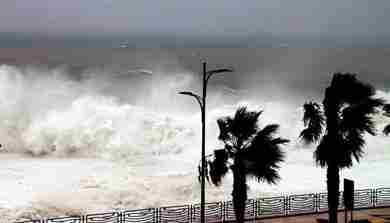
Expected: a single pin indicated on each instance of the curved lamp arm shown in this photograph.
(212, 72)
(197, 97)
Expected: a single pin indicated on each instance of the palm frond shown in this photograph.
(386, 108)
(279, 141)
(244, 124)
(264, 155)
(218, 167)
(349, 89)
(359, 116)
(267, 132)
(353, 145)
(224, 125)
(313, 120)
(386, 130)
(262, 169)
(265, 137)
(259, 150)
(340, 149)
(270, 175)
(331, 149)
(348, 107)
(324, 154)
(356, 119)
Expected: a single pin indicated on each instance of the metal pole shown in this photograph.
(346, 215)
(202, 103)
(202, 198)
(353, 207)
(352, 215)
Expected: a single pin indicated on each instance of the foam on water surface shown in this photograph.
(78, 146)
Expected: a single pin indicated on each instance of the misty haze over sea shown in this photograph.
(90, 116)
(182, 40)
(91, 130)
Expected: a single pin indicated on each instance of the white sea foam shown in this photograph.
(102, 143)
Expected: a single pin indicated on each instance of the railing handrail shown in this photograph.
(263, 207)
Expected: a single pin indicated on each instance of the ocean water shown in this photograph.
(83, 133)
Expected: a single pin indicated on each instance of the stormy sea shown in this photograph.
(95, 130)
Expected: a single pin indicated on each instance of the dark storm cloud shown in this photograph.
(228, 18)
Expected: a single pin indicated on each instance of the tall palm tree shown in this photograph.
(386, 130)
(339, 126)
(248, 151)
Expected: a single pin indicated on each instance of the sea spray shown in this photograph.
(99, 125)
(101, 142)
(44, 111)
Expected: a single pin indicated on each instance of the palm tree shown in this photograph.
(248, 151)
(386, 130)
(339, 125)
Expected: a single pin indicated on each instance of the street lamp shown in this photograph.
(202, 103)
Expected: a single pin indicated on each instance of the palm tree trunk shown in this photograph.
(239, 191)
(333, 184)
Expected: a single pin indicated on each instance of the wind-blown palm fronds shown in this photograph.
(313, 120)
(248, 151)
(386, 108)
(339, 126)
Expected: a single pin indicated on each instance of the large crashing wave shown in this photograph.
(46, 112)
(49, 112)
(99, 124)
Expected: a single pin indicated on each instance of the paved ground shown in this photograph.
(375, 215)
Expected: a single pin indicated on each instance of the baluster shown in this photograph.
(255, 208)
(286, 204)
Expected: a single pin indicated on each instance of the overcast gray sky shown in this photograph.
(231, 18)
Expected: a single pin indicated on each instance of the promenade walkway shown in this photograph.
(380, 215)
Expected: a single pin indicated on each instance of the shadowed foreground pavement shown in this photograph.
(375, 215)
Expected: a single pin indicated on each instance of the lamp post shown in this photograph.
(202, 103)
